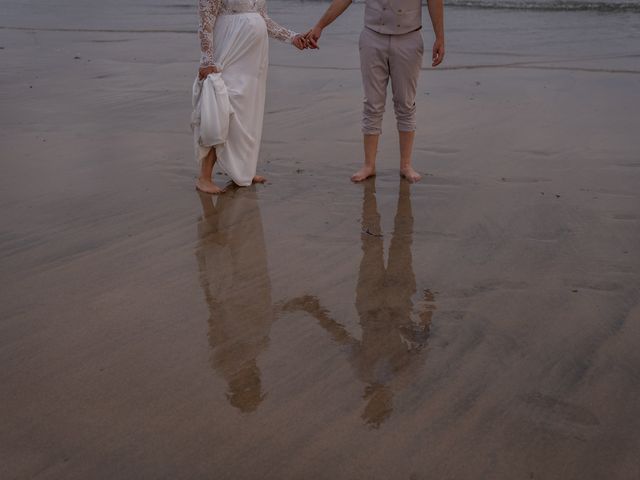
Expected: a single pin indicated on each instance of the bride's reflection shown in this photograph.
(393, 336)
(232, 263)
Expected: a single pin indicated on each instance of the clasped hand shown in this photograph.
(307, 40)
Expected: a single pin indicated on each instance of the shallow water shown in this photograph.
(481, 323)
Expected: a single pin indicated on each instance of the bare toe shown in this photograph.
(363, 174)
(259, 179)
(410, 174)
(207, 186)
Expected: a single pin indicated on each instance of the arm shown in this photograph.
(274, 29)
(336, 9)
(311, 305)
(280, 33)
(436, 12)
(208, 11)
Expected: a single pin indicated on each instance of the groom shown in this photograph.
(391, 47)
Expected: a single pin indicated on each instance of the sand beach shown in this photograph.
(483, 323)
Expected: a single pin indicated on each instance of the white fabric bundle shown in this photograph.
(211, 111)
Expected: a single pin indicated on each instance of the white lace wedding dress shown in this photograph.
(234, 37)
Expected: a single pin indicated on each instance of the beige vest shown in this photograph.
(393, 17)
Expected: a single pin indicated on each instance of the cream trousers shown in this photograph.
(395, 57)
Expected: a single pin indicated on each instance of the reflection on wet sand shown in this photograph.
(393, 337)
(232, 263)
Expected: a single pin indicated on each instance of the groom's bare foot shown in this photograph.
(207, 186)
(258, 179)
(364, 173)
(410, 174)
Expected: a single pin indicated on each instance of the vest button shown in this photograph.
(399, 10)
(398, 25)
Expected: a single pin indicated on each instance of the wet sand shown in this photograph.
(483, 323)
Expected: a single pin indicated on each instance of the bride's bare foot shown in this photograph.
(207, 186)
(364, 173)
(258, 179)
(410, 174)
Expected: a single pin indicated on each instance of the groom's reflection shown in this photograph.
(392, 336)
(232, 263)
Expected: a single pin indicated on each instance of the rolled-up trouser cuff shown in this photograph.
(371, 131)
(405, 115)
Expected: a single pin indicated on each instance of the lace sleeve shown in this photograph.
(275, 30)
(208, 10)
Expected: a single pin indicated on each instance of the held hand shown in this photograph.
(438, 53)
(203, 72)
(313, 36)
(300, 42)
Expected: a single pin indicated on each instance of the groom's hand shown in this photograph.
(438, 52)
(313, 36)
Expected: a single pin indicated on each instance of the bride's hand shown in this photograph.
(300, 42)
(203, 72)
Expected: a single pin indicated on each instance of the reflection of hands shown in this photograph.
(311, 305)
(203, 72)
(313, 36)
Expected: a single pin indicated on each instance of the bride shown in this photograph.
(234, 41)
